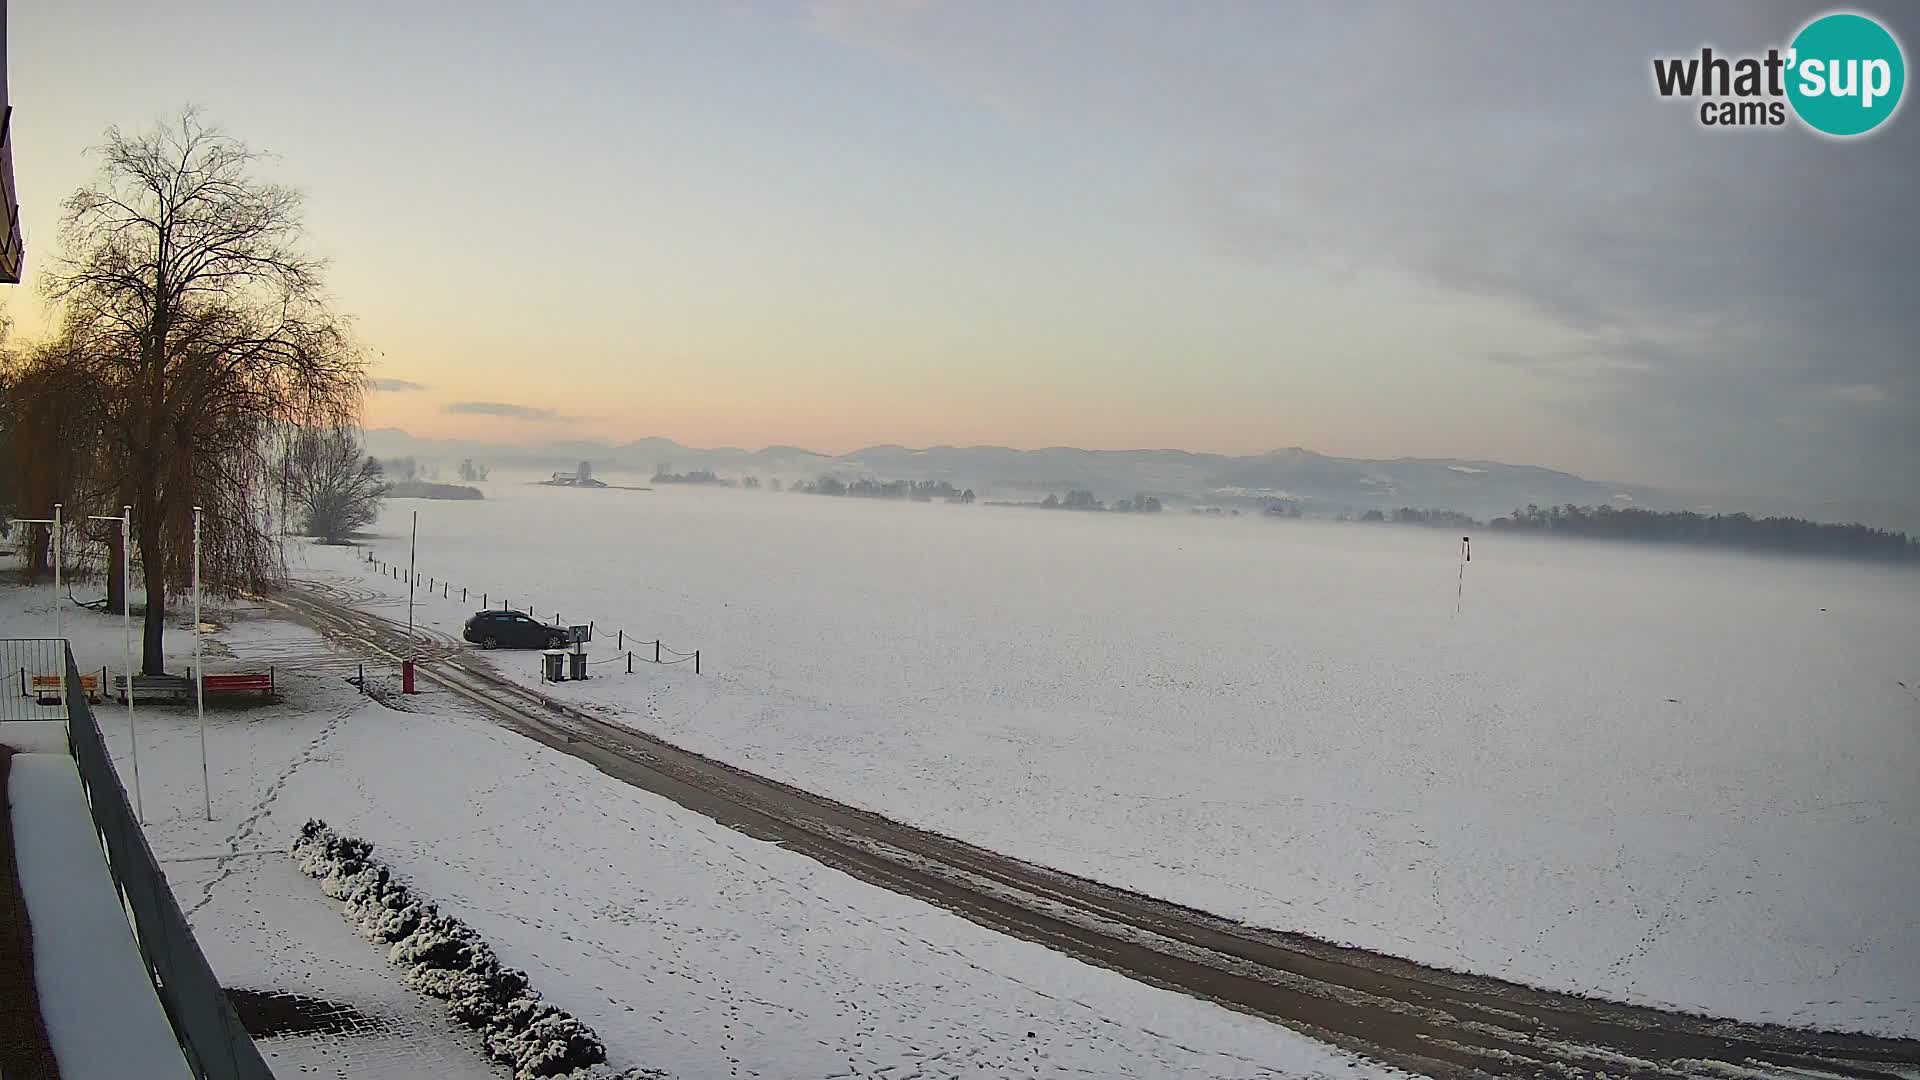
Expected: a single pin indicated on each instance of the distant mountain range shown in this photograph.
(1321, 485)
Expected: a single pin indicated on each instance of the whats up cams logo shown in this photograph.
(1842, 75)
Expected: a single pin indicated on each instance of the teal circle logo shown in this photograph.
(1845, 74)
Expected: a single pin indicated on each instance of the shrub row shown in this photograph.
(442, 956)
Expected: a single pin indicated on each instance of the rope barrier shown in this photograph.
(638, 659)
(445, 590)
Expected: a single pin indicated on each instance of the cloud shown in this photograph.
(1860, 395)
(396, 386)
(1715, 290)
(506, 410)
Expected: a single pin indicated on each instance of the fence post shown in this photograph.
(696, 661)
(429, 582)
(363, 678)
(656, 650)
(619, 639)
(629, 663)
(463, 594)
(483, 601)
(444, 587)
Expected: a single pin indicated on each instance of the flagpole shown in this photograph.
(199, 674)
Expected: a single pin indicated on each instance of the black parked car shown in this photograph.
(513, 630)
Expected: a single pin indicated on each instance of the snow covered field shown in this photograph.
(1664, 776)
(688, 947)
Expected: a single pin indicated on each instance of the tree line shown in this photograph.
(867, 487)
(663, 474)
(195, 363)
(1407, 515)
(1788, 534)
(1082, 500)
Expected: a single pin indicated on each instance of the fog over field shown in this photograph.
(1662, 775)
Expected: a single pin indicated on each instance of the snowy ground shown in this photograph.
(689, 947)
(1674, 777)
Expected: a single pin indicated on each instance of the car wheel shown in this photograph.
(489, 642)
(556, 642)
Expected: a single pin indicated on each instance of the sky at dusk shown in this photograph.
(1368, 229)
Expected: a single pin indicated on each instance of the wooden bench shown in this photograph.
(52, 689)
(236, 682)
(156, 688)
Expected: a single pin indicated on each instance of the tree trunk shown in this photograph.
(116, 585)
(153, 655)
(40, 560)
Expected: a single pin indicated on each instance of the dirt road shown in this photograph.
(1418, 1018)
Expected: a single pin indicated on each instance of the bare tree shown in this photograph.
(336, 488)
(49, 448)
(191, 312)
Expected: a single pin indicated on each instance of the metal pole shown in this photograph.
(59, 595)
(199, 676)
(126, 624)
(413, 552)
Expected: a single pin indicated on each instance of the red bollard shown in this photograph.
(406, 676)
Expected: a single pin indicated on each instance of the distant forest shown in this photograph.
(426, 489)
(1719, 530)
(697, 476)
(1407, 515)
(869, 488)
(1081, 499)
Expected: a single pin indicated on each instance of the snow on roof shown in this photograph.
(86, 967)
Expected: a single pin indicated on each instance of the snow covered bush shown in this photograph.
(441, 956)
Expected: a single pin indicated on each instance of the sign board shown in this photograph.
(579, 634)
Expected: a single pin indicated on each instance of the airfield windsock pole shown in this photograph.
(413, 552)
(1466, 556)
(200, 676)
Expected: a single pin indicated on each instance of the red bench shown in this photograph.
(232, 683)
